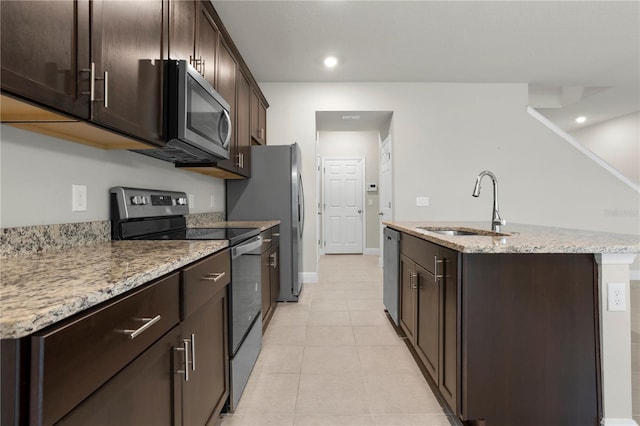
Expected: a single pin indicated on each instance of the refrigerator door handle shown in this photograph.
(301, 206)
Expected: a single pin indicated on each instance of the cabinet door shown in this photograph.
(428, 320)
(243, 124)
(226, 85)
(146, 392)
(207, 45)
(407, 299)
(208, 362)
(128, 52)
(44, 47)
(182, 29)
(258, 119)
(448, 371)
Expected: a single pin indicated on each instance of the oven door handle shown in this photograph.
(246, 247)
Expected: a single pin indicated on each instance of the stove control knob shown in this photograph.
(144, 200)
(182, 201)
(137, 200)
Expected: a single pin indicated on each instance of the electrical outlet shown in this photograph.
(192, 201)
(616, 297)
(422, 201)
(78, 198)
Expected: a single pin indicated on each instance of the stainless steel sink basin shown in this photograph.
(462, 231)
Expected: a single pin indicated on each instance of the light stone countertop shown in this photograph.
(522, 238)
(38, 290)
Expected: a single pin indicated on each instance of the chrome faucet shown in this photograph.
(496, 221)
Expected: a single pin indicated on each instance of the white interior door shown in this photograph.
(385, 187)
(343, 205)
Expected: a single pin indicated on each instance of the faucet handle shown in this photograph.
(503, 222)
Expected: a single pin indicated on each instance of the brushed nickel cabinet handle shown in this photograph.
(276, 234)
(436, 276)
(414, 280)
(148, 322)
(274, 257)
(106, 89)
(92, 83)
(185, 349)
(214, 276)
(193, 352)
(266, 240)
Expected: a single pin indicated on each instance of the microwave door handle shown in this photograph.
(227, 120)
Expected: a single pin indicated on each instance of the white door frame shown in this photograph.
(362, 194)
(388, 140)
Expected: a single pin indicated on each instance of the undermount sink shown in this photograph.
(462, 232)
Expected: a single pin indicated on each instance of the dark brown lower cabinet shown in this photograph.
(505, 339)
(206, 391)
(143, 393)
(270, 273)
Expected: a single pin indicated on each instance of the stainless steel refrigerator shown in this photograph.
(275, 192)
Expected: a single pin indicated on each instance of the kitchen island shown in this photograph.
(513, 328)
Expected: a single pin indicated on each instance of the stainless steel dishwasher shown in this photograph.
(391, 277)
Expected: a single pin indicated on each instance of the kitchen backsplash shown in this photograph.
(25, 240)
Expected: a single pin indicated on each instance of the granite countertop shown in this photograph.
(522, 238)
(44, 287)
(38, 290)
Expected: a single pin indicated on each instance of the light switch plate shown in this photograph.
(422, 201)
(192, 201)
(78, 198)
(616, 297)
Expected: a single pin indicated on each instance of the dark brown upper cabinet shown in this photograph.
(258, 119)
(193, 36)
(44, 48)
(98, 60)
(128, 52)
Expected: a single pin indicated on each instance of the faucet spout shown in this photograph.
(496, 221)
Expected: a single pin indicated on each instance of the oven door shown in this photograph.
(246, 290)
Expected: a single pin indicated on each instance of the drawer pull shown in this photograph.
(214, 276)
(148, 322)
(276, 234)
(266, 240)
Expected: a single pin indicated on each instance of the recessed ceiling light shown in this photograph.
(330, 61)
(581, 119)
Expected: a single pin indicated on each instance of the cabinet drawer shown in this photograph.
(420, 251)
(73, 359)
(203, 280)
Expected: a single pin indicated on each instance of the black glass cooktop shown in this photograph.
(234, 235)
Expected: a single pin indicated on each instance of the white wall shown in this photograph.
(358, 144)
(616, 141)
(38, 171)
(444, 135)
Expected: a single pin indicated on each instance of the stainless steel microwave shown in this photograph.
(198, 124)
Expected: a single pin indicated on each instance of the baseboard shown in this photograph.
(618, 422)
(372, 251)
(309, 277)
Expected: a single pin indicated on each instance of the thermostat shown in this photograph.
(372, 187)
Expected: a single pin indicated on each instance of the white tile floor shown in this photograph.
(334, 359)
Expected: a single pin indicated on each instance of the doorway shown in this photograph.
(343, 205)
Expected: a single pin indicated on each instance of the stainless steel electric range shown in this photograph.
(147, 214)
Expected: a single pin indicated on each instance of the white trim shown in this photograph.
(634, 275)
(372, 251)
(309, 277)
(618, 422)
(577, 145)
(615, 258)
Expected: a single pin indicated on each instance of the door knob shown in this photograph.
(381, 214)
(359, 211)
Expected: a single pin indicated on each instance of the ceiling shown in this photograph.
(579, 57)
